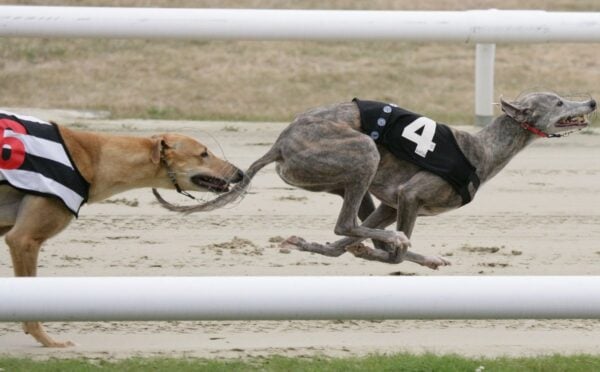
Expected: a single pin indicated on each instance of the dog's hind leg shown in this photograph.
(409, 201)
(38, 219)
(380, 218)
(367, 206)
(320, 155)
(346, 225)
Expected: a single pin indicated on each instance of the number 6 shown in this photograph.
(17, 148)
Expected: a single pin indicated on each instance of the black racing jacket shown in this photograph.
(35, 160)
(419, 140)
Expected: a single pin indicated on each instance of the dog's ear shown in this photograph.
(514, 110)
(159, 143)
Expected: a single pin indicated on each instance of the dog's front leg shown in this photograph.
(406, 216)
(432, 262)
(408, 208)
(39, 218)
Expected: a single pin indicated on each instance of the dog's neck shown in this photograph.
(124, 164)
(499, 142)
(114, 164)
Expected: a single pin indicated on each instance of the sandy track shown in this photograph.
(538, 217)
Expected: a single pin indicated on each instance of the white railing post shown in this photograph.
(484, 83)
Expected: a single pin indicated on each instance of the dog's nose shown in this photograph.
(593, 104)
(239, 175)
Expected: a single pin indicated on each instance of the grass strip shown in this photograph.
(396, 362)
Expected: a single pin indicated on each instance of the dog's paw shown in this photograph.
(383, 246)
(434, 262)
(359, 250)
(401, 243)
(367, 253)
(61, 344)
(293, 242)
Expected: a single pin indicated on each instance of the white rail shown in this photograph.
(473, 26)
(274, 298)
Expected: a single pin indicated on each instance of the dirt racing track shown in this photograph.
(539, 216)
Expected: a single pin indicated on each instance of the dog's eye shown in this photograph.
(204, 154)
(559, 103)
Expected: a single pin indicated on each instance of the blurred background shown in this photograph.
(273, 81)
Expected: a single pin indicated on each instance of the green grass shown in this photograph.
(398, 362)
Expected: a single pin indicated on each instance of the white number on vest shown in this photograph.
(424, 140)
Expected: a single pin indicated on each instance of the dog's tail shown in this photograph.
(234, 194)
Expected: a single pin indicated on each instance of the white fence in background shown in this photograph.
(276, 298)
(481, 27)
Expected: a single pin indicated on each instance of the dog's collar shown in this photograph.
(525, 125)
(171, 173)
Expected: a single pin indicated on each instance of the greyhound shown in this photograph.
(109, 165)
(327, 149)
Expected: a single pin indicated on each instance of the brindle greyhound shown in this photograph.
(110, 164)
(324, 149)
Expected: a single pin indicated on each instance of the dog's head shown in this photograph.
(549, 112)
(192, 164)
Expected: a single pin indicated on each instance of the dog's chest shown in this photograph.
(421, 141)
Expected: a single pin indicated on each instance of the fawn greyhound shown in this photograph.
(105, 165)
(352, 149)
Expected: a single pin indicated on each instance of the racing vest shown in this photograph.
(421, 141)
(34, 159)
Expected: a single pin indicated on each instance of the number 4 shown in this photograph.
(424, 140)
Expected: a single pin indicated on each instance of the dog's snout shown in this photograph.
(237, 177)
(593, 104)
